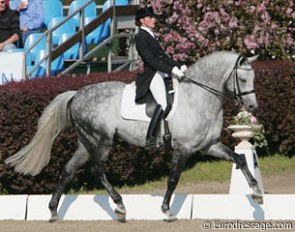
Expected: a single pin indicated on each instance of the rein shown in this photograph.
(215, 92)
(220, 95)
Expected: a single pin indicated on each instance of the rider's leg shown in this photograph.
(151, 137)
(158, 90)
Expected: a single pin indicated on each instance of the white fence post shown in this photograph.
(238, 183)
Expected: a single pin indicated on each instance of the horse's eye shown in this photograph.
(243, 81)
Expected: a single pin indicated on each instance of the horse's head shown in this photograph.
(241, 82)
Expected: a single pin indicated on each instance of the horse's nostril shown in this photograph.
(251, 108)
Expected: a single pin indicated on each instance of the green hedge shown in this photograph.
(21, 104)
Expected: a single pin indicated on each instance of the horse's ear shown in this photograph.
(252, 58)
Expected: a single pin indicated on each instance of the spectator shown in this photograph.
(31, 17)
(7, 3)
(9, 27)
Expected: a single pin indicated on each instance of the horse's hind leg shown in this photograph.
(221, 151)
(116, 197)
(98, 168)
(177, 166)
(80, 157)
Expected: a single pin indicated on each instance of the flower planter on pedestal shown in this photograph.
(238, 183)
(242, 132)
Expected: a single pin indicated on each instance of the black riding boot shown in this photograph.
(151, 137)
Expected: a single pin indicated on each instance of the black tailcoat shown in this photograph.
(154, 59)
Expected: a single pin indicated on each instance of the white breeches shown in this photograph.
(158, 89)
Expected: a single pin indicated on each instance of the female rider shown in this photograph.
(157, 66)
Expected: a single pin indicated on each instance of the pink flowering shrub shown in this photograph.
(191, 29)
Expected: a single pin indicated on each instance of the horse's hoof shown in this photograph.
(258, 198)
(120, 211)
(121, 217)
(53, 219)
(170, 216)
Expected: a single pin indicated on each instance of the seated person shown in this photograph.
(31, 17)
(9, 27)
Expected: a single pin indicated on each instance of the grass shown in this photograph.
(277, 165)
(204, 172)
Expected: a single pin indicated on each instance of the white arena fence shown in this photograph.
(186, 206)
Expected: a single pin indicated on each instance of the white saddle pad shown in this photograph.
(130, 110)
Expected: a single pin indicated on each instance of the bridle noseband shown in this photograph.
(237, 90)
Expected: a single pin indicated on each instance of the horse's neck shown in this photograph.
(197, 98)
(194, 100)
(210, 72)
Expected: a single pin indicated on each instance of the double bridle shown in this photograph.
(237, 90)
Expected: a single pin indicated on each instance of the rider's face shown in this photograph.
(148, 21)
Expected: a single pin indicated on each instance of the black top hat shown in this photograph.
(143, 12)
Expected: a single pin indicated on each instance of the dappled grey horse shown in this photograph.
(94, 111)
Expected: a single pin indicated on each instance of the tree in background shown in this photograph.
(191, 29)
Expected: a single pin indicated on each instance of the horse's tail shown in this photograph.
(33, 157)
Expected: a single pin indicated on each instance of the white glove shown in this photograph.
(183, 68)
(177, 72)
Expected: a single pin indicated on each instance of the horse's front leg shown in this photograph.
(221, 151)
(177, 166)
